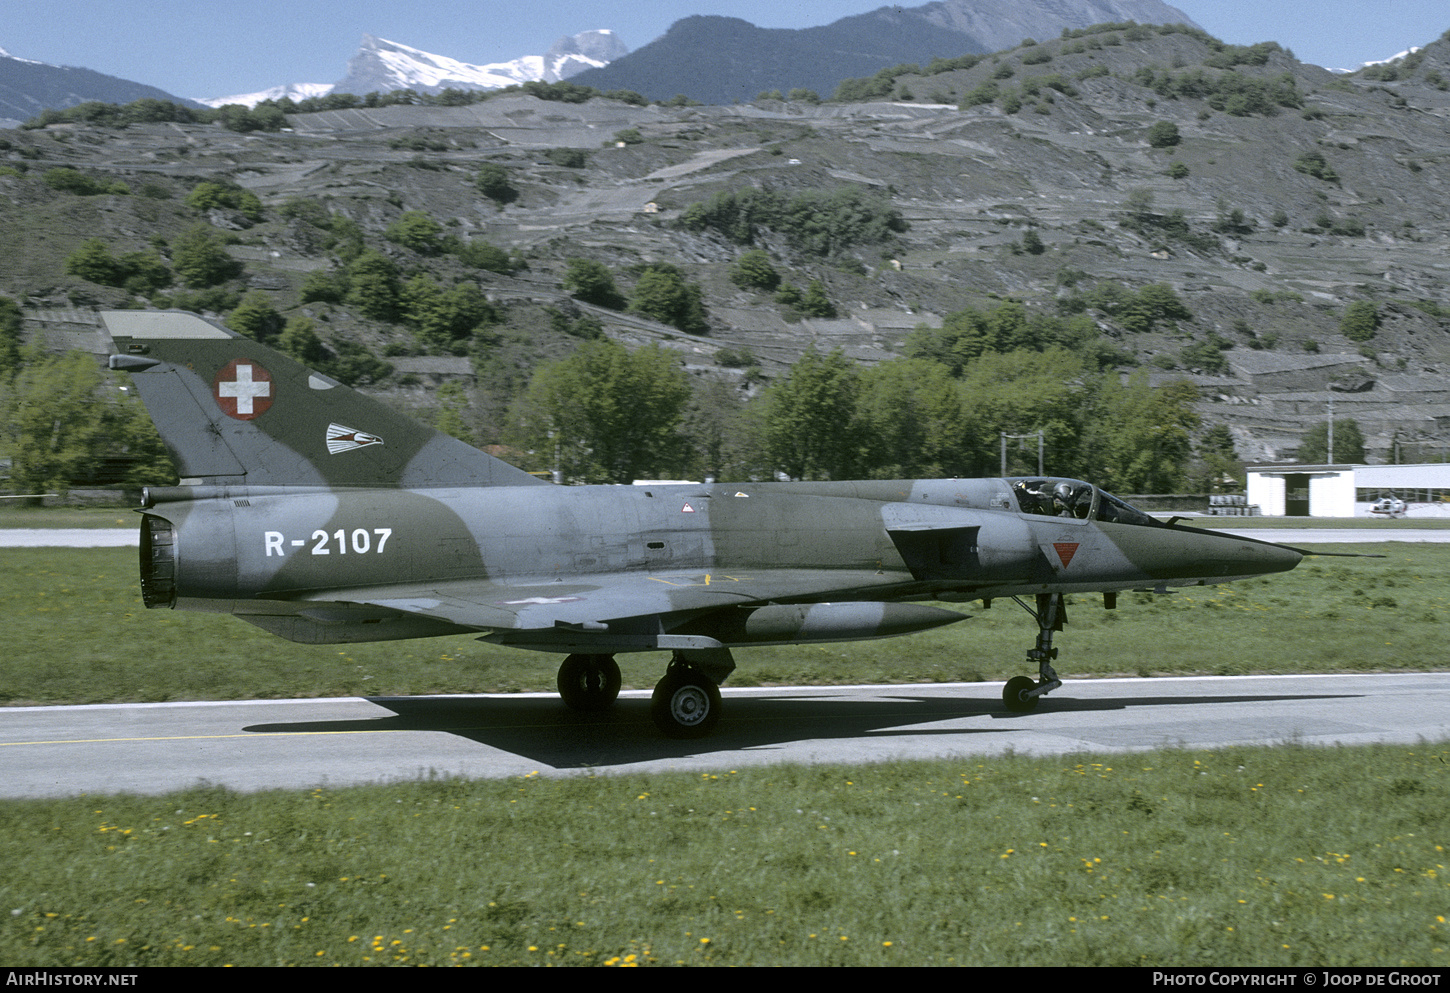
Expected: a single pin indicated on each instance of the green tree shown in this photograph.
(1314, 164)
(10, 338)
(139, 272)
(373, 285)
(568, 158)
(453, 403)
(1348, 443)
(68, 180)
(200, 257)
(144, 273)
(208, 196)
(1008, 327)
(912, 420)
(809, 424)
(714, 430)
(417, 230)
(236, 117)
(1360, 321)
(1139, 438)
(662, 293)
(592, 282)
(347, 240)
(815, 302)
(1220, 468)
(354, 365)
(483, 255)
(754, 271)
(94, 263)
(493, 182)
(443, 318)
(1022, 392)
(1164, 134)
(607, 415)
(330, 285)
(299, 340)
(255, 317)
(63, 416)
(820, 222)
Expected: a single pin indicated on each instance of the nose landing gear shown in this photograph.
(1021, 693)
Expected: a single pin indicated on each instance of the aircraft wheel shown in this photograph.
(1013, 694)
(685, 704)
(589, 683)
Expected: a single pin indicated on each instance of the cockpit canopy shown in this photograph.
(1053, 496)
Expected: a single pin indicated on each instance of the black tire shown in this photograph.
(1013, 694)
(685, 704)
(589, 683)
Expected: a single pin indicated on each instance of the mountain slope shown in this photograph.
(1069, 177)
(28, 87)
(721, 60)
(999, 24)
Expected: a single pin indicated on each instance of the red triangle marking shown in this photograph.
(1066, 550)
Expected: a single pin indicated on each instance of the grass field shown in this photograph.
(1246, 856)
(1267, 856)
(14, 515)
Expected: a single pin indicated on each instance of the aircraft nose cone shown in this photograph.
(1228, 557)
(1253, 558)
(1281, 558)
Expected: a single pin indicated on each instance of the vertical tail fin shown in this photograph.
(235, 411)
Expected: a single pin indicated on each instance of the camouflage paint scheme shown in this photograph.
(324, 516)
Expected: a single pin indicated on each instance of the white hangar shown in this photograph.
(1350, 490)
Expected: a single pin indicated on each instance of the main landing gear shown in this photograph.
(589, 683)
(1021, 693)
(685, 703)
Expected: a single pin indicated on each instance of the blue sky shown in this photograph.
(205, 48)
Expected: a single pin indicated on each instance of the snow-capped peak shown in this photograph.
(1393, 58)
(292, 91)
(1380, 62)
(381, 65)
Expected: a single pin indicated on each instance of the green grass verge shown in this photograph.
(1319, 523)
(14, 515)
(1265, 856)
(76, 632)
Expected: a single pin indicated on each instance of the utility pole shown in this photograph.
(1022, 437)
(1331, 431)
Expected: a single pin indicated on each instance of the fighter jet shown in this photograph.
(324, 516)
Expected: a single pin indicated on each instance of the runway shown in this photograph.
(295, 744)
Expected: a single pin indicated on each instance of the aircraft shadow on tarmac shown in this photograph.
(545, 731)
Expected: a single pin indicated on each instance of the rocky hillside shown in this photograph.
(721, 60)
(1269, 195)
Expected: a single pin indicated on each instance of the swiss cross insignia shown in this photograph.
(243, 389)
